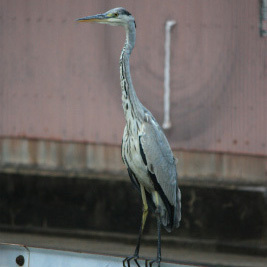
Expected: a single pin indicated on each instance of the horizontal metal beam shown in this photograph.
(45, 157)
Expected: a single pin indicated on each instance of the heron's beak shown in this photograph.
(96, 18)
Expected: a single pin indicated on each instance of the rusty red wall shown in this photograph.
(60, 80)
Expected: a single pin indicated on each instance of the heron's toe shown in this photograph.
(128, 260)
(149, 263)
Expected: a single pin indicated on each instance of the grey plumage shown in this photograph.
(145, 149)
(162, 164)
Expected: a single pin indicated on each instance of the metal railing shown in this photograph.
(19, 255)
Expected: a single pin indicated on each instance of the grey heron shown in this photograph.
(145, 148)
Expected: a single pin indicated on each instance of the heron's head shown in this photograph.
(115, 17)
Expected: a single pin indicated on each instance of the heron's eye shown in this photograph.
(116, 14)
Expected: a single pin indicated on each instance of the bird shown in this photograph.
(145, 149)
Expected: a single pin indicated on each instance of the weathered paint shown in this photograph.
(90, 160)
(59, 80)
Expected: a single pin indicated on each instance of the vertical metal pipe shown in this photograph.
(263, 18)
(167, 121)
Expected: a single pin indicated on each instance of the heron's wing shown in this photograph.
(159, 159)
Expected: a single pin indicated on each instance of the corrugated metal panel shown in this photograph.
(60, 80)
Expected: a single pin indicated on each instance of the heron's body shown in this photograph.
(145, 149)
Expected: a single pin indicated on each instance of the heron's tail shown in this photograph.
(172, 220)
(177, 211)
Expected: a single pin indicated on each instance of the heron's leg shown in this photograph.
(143, 222)
(159, 239)
(158, 259)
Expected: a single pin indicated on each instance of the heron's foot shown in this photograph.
(149, 263)
(127, 261)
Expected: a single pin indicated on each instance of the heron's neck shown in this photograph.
(131, 105)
